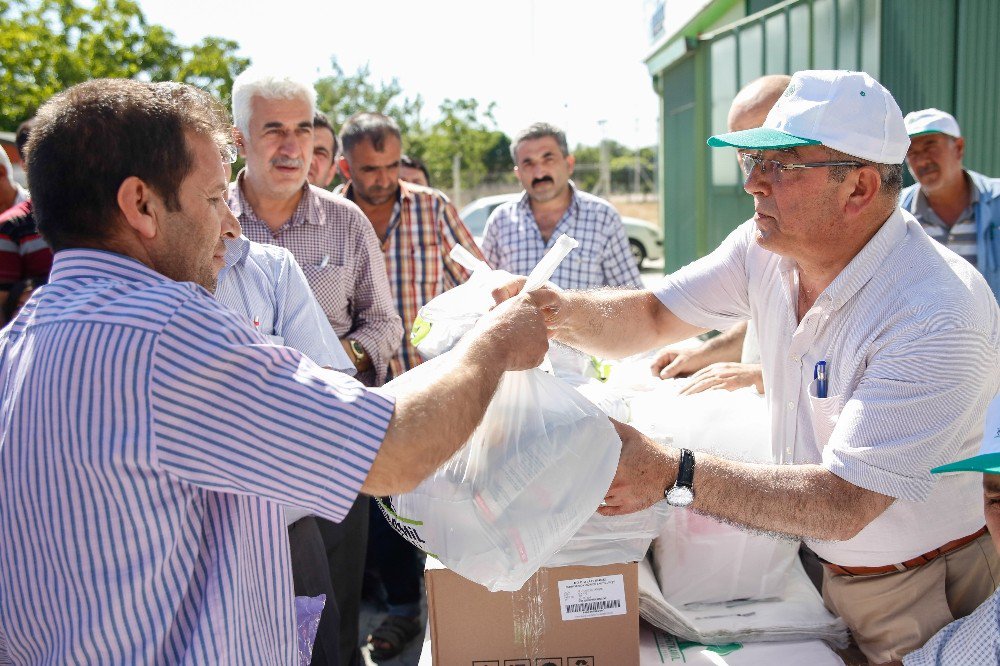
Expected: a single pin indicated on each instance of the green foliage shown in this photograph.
(47, 46)
(340, 96)
(463, 128)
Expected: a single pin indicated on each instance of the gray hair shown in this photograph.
(538, 131)
(891, 175)
(5, 163)
(372, 126)
(257, 82)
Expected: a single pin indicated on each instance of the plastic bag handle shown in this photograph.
(541, 273)
(467, 260)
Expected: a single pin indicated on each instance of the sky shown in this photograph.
(574, 63)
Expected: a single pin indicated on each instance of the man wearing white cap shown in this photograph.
(879, 350)
(974, 639)
(955, 206)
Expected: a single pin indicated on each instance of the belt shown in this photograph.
(917, 561)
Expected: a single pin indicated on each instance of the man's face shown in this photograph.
(323, 165)
(797, 211)
(189, 245)
(279, 146)
(935, 160)
(991, 506)
(412, 175)
(542, 168)
(374, 173)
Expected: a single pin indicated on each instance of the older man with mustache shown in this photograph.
(339, 253)
(957, 207)
(519, 233)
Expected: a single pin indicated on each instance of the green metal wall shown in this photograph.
(703, 194)
(941, 53)
(977, 93)
(944, 54)
(679, 162)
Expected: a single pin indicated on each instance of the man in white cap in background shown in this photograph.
(974, 639)
(831, 270)
(957, 207)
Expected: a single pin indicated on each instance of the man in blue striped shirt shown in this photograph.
(149, 436)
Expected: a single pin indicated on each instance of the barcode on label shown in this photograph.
(593, 606)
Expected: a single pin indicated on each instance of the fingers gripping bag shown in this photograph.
(533, 472)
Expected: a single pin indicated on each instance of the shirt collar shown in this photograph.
(403, 193)
(237, 250)
(868, 261)
(921, 208)
(306, 212)
(77, 263)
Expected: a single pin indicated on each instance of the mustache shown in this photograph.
(930, 168)
(287, 162)
(543, 179)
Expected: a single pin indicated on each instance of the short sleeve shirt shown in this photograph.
(148, 439)
(512, 242)
(910, 333)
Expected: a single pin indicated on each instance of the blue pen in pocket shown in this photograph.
(820, 375)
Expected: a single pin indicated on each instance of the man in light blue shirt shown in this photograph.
(266, 285)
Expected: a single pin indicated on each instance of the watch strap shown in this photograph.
(685, 469)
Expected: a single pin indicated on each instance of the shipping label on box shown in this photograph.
(564, 616)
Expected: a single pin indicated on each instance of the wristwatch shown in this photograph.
(357, 351)
(681, 494)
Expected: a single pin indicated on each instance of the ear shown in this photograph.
(345, 168)
(240, 142)
(571, 161)
(139, 206)
(865, 184)
(960, 147)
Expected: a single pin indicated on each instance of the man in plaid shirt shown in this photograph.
(519, 233)
(417, 227)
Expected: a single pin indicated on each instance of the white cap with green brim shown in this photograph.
(932, 121)
(847, 111)
(988, 459)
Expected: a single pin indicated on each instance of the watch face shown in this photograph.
(680, 496)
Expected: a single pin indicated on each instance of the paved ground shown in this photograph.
(371, 616)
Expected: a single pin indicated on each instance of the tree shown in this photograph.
(340, 96)
(47, 46)
(465, 130)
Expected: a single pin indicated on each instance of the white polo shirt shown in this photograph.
(910, 333)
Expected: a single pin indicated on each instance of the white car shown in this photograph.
(645, 239)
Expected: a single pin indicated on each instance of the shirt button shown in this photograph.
(791, 405)
(796, 359)
(788, 451)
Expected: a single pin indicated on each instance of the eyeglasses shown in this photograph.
(772, 168)
(229, 153)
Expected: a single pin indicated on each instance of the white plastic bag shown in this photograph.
(611, 539)
(533, 473)
(443, 320)
(699, 559)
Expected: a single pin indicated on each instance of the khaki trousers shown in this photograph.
(893, 614)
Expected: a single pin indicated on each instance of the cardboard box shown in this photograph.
(565, 616)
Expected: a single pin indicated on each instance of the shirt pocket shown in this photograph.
(331, 286)
(824, 413)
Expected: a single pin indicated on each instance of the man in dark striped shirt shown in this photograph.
(149, 437)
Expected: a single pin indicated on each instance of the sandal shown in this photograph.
(394, 634)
